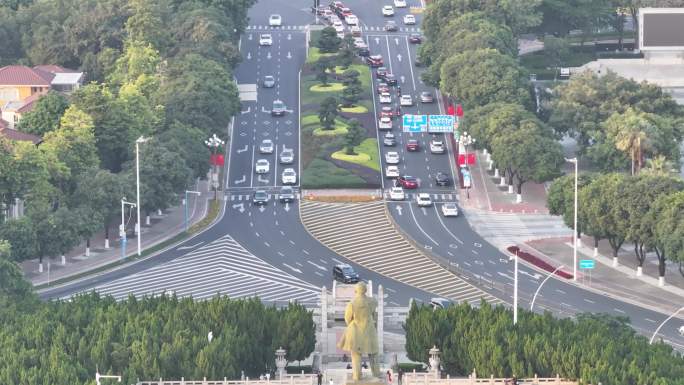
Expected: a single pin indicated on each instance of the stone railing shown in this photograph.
(430, 379)
(290, 379)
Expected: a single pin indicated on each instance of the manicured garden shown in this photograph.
(339, 147)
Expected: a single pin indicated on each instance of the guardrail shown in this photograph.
(429, 379)
(290, 379)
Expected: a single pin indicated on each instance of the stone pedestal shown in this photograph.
(280, 362)
(434, 361)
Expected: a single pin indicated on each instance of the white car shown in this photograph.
(387, 10)
(360, 43)
(339, 27)
(400, 3)
(265, 39)
(351, 20)
(289, 176)
(266, 146)
(385, 123)
(275, 21)
(406, 101)
(262, 166)
(386, 98)
(450, 210)
(409, 20)
(392, 172)
(681, 330)
(437, 147)
(423, 200)
(392, 157)
(397, 194)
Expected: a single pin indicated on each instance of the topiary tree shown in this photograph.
(355, 135)
(329, 42)
(328, 112)
(351, 94)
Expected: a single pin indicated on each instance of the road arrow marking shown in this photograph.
(242, 149)
(536, 276)
(396, 40)
(263, 109)
(399, 56)
(240, 207)
(292, 268)
(287, 206)
(289, 55)
(249, 55)
(289, 36)
(423, 210)
(247, 111)
(261, 180)
(402, 78)
(249, 37)
(241, 180)
(377, 40)
(398, 209)
(318, 266)
(268, 55)
(262, 208)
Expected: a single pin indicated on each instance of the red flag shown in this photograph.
(450, 110)
(471, 158)
(459, 111)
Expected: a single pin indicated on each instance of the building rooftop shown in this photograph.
(18, 135)
(16, 75)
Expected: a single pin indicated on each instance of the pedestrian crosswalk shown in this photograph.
(364, 234)
(503, 229)
(221, 267)
(304, 27)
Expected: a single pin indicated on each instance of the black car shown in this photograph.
(345, 274)
(390, 79)
(286, 194)
(363, 52)
(415, 38)
(260, 198)
(391, 26)
(442, 179)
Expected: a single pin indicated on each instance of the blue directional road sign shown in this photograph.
(586, 263)
(441, 123)
(415, 123)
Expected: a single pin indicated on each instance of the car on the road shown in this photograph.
(287, 156)
(426, 97)
(450, 209)
(345, 274)
(442, 179)
(268, 82)
(389, 140)
(412, 145)
(385, 98)
(392, 172)
(278, 108)
(387, 111)
(266, 146)
(406, 100)
(265, 39)
(355, 31)
(415, 38)
(423, 200)
(326, 14)
(409, 19)
(390, 79)
(360, 43)
(286, 194)
(262, 166)
(408, 182)
(335, 5)
(387, 10)
(363, 52)
(289, 176)
(681, 330)
(437, 146)
(344, 12)
(275, 20)
(375, 60)
(260, 198)
(351, 20)
(400, 3)
(385, 123)
(383, 87)
(339, 27)
(392, 157)
(380, 72)
(440, 303)
(397, 194)
(391, 26)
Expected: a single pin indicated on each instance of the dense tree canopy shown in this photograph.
(45, 115)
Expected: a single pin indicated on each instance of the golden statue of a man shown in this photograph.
(361, 336)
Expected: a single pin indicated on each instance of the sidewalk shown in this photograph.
(621, 281)
(162, 227)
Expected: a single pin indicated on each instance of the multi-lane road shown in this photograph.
(266, 251)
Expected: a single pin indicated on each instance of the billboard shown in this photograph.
(661, 29)
(441, 123)
(414, 123)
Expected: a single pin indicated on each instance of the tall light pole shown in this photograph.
(122, 228)
(214, 143)
(574, 232)
(185, 203)
(515, 290)
(542, 284)
(137, 188)
(663, 323)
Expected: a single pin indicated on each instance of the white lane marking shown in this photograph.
(318, 273)
(408, 49)
(305, 252)
(588, 300)
(251, 174)
(467, 264)
(418, 225)
(337, 260)
(322, 260)
(649, 320)
(619, 310)
(445, 227)
(317, 266)
(292, 242)
(487, 274)
(292, 268)
(267, 244)
(560, 291)
(389, 54)
(190, 247)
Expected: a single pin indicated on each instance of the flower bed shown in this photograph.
(540, 263)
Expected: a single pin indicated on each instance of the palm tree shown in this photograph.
(629, 132)
(659, 166)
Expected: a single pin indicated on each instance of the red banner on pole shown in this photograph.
(216, 160)
(471, 158)
(459, 111)
(461, 159)
(451, 110)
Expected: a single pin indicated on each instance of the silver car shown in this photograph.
(287, 156)
(268, 82)
(266, 146)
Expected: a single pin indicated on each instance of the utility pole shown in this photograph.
(185, 203)
(137, 188)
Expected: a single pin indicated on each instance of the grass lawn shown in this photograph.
(361, 109)
(323, 174)
(367, 154)
(315, 54)
(312, 124)
(339, 129)
(330, 87)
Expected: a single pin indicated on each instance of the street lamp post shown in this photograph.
(542, 284)
(122, 228)
(663, 323)
(137, 188)
(515, 290)
(186, 205)
(574, 232)
(214, 143)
